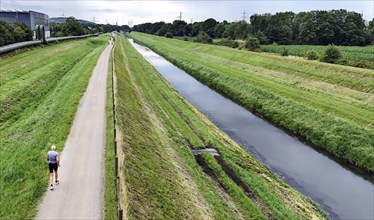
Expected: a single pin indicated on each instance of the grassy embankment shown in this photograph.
(39, 93)
(331, 106)
(110, 199)
(352, 56)
(163, 179)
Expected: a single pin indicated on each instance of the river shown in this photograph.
(342, 193)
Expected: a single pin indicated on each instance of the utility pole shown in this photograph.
(180, 16)
(63, 14)
(244, 17)
(94, 19)
(130, 22)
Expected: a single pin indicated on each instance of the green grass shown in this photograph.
(110, 200)
(39, 93)
(158, 127)
(352, 55)
(330, 106)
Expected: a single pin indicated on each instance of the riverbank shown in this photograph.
(159, 129)
(311, 100)
(294, 162)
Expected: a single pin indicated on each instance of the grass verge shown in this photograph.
(110, 199)
(40, 91)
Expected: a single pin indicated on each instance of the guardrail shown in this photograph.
(118, 192)
(15, 46)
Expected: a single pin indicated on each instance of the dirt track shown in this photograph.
(80, 194)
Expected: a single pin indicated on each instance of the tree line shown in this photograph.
(72, 27)
(339, 27)
(19, 32)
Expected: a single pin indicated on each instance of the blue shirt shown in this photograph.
(52, 156)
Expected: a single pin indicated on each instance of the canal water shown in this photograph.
(339, 191)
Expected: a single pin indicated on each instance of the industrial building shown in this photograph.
(30, 18)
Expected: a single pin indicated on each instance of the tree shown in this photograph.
(312, 55)
(7, 33)
(280, 28)
(259, 22)
(219, 29)
(196, 28)
(177, 28)
(252, 44)
(208, 26)
(203, 37)
(332, 54)
(72, 27)
(369, 33)
(169, 35)
(22, 32)
(262, 37)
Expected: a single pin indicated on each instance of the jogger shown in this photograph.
(53, 164)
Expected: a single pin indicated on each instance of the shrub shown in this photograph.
(13, 33)
(332, 54)
(185, 38)
(169, 35)
(252, 43)
(312, 55)
(203, 37)
(284, 52)
(262, 38)
(235, 44)
(228, 42)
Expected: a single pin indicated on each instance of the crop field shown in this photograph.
(328, 105)
(352, 55)
(39, 93)
(162, 179)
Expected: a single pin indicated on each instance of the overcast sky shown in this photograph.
(136, 12)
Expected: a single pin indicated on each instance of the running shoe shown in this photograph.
(57, 182)
(51, 186)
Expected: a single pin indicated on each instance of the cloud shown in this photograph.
(151, 11)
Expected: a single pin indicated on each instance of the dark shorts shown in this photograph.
(53, 166)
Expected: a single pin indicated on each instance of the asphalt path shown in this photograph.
(80, 194)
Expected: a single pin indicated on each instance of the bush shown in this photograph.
(203, 37)
(228, 42)
(312, 55)
(284, 52)
(185, 38)
(252, 43)
(169, 35)
(13, 33)
(235, 44)
(332, 54)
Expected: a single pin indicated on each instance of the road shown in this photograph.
(80, 194)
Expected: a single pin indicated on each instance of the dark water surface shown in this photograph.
(339, 191)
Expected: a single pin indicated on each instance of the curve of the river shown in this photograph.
(339, 191)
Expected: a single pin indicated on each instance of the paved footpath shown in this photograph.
(80, 194)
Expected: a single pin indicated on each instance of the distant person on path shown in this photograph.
(53, 163)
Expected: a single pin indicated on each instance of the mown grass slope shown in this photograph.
(39, 94)
(330, 106)
(352, 55)
(164, 180)
(110, 196)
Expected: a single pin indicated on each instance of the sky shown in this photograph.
(133, 12)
